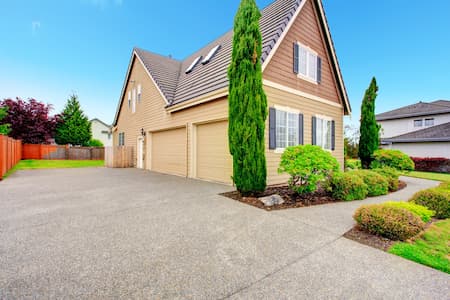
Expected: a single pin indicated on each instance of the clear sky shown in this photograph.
(49, 48)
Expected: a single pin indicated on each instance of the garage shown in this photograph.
(169, 151)
(214, 161)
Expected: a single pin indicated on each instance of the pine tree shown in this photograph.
(74, 127)
(369, 129)
(247, 102)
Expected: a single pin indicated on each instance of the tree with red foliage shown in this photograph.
(29, 120)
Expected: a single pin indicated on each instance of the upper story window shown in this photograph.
(129, 99)
(139, 94)
(286, 128)
(307, 63)
(133, 101)
(418, 123)
(429, 122)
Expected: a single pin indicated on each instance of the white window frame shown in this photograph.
(139, 94)
(418, 120)
(309, 53)
(289, 112)
(324, 121)
(129, 99)
(133, 101)
(427, 120)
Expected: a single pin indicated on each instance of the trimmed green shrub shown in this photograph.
(376, 184)
(347, 186)
(95, 143)
(307, 165)
(392, 176)
(352, 164)
(390, 222)
(435, 199)
(421, 211)
(392, 158)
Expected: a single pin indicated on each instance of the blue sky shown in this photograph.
(50, 49)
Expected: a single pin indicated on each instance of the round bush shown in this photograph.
(95, 143)
(376, 184)
(307, 165)
(421, 211)
(347, 186)
(434, 199)
(390, 222)
(352, 164)
(391, 175)
(392, 158)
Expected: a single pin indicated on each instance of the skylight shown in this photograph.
(192, 66)
(210, 54)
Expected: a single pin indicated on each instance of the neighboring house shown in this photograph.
(419, 130)
(102, 132)
(174, 113)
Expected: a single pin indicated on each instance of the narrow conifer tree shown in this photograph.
(369, 129)
(247, 102)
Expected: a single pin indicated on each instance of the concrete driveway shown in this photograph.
(110, 233)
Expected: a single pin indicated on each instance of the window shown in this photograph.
(429, 122)
(129, 99)
(287, 129)
(324, 133)
(418, 123)
(133, 102)
(309, 64)
(121, 139)
(210, 54)
(192, 66)
(139, 94)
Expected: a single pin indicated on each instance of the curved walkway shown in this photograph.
(109, 233)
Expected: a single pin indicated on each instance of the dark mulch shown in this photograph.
(292, 200)
(358, 235)
(401, 185)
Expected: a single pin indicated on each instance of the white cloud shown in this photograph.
(35, 26)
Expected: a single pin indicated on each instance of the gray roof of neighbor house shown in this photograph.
(416, 110)
(100, 121)
(438, 133)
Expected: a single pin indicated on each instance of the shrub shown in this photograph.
(421, 211)
(432, 164)
(307, 165)
(376, 184)
(391, 175)
(394, 223)
(95, 143)
(392, 158)
(352, 164)
(435, 199)
(347, 186)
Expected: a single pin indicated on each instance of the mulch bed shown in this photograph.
(292, 200)
(358, 235)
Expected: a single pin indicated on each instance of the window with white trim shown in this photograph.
(121, 139)
(429, 122)
(129, 99)
(418, 123)
(133, 101)
(287, 129)
(324, 133)
(139, 94)
(307, 63)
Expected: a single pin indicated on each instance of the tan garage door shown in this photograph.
(214, 161)
(169, 151)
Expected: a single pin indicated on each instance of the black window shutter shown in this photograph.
(296, 50)
(319, 69)
(333, 135)
(272, 128)
(300, 129)
(314, 138)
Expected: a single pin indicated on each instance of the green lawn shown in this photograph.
(431, 249)
(428, 175)
(31, 164)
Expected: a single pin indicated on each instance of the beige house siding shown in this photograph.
(305, 30)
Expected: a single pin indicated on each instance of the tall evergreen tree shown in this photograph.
(247, 102)
(4, 128)
(369, 129)
(74, 127)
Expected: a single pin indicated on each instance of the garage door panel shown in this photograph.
(214, 161)
(169, 151)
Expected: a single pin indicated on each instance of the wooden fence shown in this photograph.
(119, 157)
(10, 154)
(55, 152)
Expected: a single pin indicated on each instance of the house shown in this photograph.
(419, 130)
(102, 132)
(174, 112)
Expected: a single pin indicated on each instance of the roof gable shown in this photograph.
(432, 134)
(415, 110)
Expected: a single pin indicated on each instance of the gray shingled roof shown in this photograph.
(438, 133)
(178, 87)
(415, 110)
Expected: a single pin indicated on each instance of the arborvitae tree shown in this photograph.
(74, 127)
(369, 129)
(4, 128)
(247, 102)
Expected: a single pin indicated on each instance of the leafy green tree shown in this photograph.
(369, 129)
(247, 102)
(74, 127)
(4, 128)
